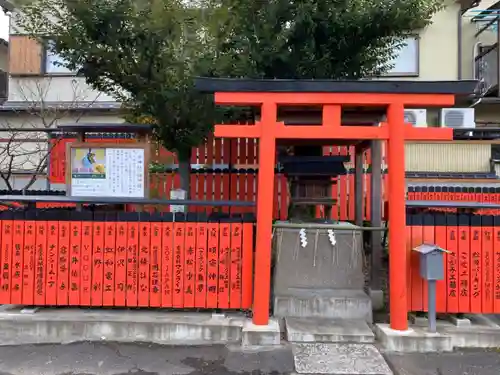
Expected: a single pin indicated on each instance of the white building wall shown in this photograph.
(23, 152)
(54, 89)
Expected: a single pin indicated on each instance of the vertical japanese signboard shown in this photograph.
(121, 261)
(132, 259)
(6, 253)
(109, 260)
(98, 259)
(155, 287)
(167, 260)
(52, 255)
(144, 261)
(86, 259)
(178, 264)
(17, 259)
(190, 261)
(28, 256)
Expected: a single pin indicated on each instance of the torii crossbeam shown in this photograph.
(394, 96)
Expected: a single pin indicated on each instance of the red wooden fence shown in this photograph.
(472, 268)
(139, 260)
(57, 157)
(240, 182)
(242, 185)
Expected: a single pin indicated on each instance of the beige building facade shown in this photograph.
(4, 62)
(449, 49)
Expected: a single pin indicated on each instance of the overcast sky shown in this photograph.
(4, 26)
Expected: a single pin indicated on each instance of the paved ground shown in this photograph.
(469, 362)
(140, 359)
(144, 359)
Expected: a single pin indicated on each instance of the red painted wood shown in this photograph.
(213, 264)
(155, 286)
(189, 264)
(487, 248)
(63, 261)
(224, 265)
(167, 264)
(235, 272)
(178, 265)
(86, 264)
(6, 239)
(97, 263)
(109, 263)
(121, 264)
(29, 260)
(17, 265)
(144, 263)
(201, 266)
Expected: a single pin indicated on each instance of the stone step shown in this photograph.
(323, 330)
(339, 359)
(47, 326)
(332, 304)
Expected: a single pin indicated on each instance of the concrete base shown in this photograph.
(330, 304)
(415, 339)
(328, 330)
(459, 322)
(75, 325)
(483, 332)
(261, 335)
(377, 297)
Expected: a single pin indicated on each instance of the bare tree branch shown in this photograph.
(28, 151)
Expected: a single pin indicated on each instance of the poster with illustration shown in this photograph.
(88, 163)
(107, 171)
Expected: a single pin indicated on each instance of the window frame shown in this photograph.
(416, 73)
(44, 63)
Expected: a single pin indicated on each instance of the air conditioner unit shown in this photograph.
(416, 117)
(457, 118)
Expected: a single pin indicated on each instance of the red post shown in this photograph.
(265, 201)
(397, 217)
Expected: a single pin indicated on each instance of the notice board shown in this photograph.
(107, 170)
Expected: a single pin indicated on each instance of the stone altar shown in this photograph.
(321, 279)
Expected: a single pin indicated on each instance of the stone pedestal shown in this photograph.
(320, 280)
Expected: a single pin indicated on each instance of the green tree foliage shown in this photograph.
(143, 53)
(320, 39)
(314, 39)
(146, 53)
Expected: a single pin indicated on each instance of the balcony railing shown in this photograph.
(487, 70)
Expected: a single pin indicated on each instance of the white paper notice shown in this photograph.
(178, 194)
(108, 172)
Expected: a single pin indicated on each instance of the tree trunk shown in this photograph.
(184, 157)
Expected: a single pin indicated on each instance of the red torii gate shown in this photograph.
(332, 95)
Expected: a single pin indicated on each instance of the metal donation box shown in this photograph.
(431, 261)
(431, 270)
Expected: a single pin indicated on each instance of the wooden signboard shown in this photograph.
(107, 170)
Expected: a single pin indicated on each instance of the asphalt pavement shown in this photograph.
(146, 359)
(141, 359)
(463, 362)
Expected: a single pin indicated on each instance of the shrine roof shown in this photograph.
(106, 127)
(459, 88)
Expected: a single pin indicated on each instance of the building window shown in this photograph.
(52, 61)
(405, 63)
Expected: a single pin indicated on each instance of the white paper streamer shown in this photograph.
(303, 237)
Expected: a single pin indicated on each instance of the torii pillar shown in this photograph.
(268, 95)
